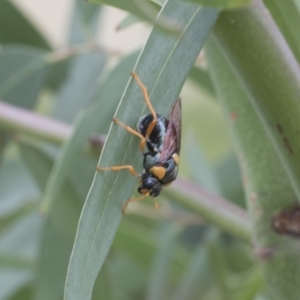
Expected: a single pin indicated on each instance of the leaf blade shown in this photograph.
(100, 219)
(17, 29)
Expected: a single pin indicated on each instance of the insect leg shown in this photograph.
(148, 103)
(133, 200)
(132, 131)
(130, 168)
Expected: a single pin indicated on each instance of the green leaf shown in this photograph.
(160, 271)
(222, 3)
(80, 87)
(142, 9)
(58, 230)
(25, 293)
(111, 89)
(15, 28)
(202, 78)
(287, 17)
(122, 286)
(267, 187)
(164, 75)
(13, 280)
(84, 22)
(128, 21)
(15, 203)
(159, 2)
(197, 277)
(22, 74)
(229, 178)
(203, 118)
(269, 72)
(58, 73)
(16, 262)
(105, 285)
(218, 264)
(297, 2)
(19, 240)
(145, 10)
(96, 118)
(141, 243)
(56, 245)
(200, 168)
(250, 285)
(144, 239)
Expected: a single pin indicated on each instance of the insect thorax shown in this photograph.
(170, 166)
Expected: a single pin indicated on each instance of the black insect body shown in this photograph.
(161, 162)
(165, 172)
(162, 139)
(157, 136)
(157, 175)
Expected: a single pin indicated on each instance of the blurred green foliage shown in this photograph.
(172, 253)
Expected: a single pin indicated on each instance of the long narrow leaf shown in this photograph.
(270, 74)
(17, 29)
(267, 187)
(222, 3)
(160, 271)
(287, 17)
(163, 66)
(91, 121)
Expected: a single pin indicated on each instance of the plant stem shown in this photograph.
(226, 215)
(26, 122)
(262, 92)
(270, 75)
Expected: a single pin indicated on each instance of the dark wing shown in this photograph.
(173, 135)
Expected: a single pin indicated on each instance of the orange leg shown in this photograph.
(118, 168)
(148, 103)
(133, 200)
(132, 131)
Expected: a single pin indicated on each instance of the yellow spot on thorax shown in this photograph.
(158, 172)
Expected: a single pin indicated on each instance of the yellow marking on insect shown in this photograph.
(176, 158)
(148, 103)
(158, 172)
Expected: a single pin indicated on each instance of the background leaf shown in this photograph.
(286, 16)
(56, 244)
(18, 29)
(223, 3)
(89, 123)
(22, 74)
(144, 9)
(273, 59)
(158, 282)
(81, 86)
(264, 198)
(84, 22)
